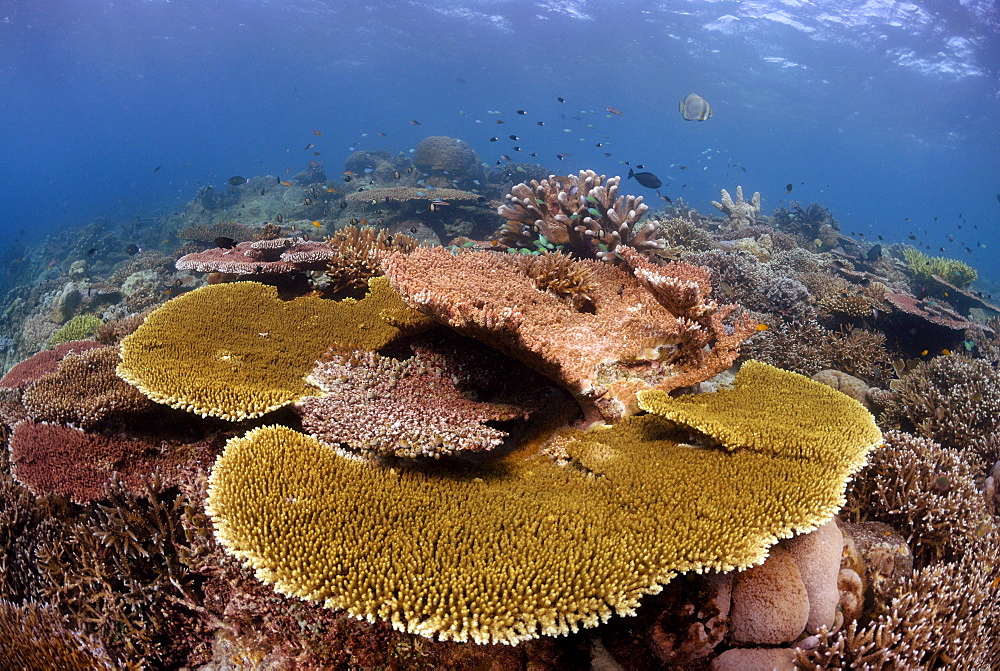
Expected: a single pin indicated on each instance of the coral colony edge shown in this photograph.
(460, 420)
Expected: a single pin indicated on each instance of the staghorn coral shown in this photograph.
(420, 406)
(355, 258)
(951, 399)
(740, 213)
(236, 351)
(580, 214)
(952, 271)
(630, 340)
(80, 327)
(925, 491)
(946, 615)
(34, 636)
(84, 391)
(526, 548)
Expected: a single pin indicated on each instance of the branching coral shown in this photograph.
(657, 328)
(952, 399)
(925, 491)
(355, 258)
(946, 616)
(526, 548)
(951, 270)
(580, 214)
(740, 213)
(419, 406)
(560, 275)
(34, 636)
(79, 327)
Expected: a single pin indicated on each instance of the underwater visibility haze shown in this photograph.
(412, 250)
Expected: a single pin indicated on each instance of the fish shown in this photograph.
(347, 178)
(91, 251)
(459, 80)
(318, 133)
(560, 99)
(132, 249)
(875, 253)
(521, 112)
(316, 153)
(613, 110)
(539, 123)
(309, 146)
(923, 352)
(308, 201)
(646, 179)
(279, 218)
(157, 168)
(237, 180)
(639, 166)
(788, 187)
(396, 175)
(499, 121)
(514, 137)
(998, 197)
(762, 327)
(414, 122)
(286, 184)
(262, 191)
(317, 224)
(222, 242)
(695, 108)
(666, 199)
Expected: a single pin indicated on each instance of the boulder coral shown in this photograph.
(530, 547)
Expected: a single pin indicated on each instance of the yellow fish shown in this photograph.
(317, 224)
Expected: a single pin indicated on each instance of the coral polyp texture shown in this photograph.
(582, 214)
(626, 338)
(532, 547)
(237, 351)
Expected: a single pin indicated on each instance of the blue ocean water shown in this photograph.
(888, 113)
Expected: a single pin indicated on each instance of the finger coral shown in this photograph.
(740, 213)
(236, 351)
(530, 547)
(629, 339)
(580, 214)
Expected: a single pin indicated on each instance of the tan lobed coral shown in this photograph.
(581, 214)
(237, 351)
(654, 327)
(530, 547)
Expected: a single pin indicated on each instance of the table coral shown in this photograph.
(518, 549)
(277, 256)
(582, 214)
(237, 351)
(629, 339)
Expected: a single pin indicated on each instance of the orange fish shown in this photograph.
(613, 110)
(364, 222)
(329, 189)
(923, 353)
(762, 327)
(946, 351)
(318, 133)
(286, 184)
(317, 224)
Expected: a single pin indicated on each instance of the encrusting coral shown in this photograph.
(237, 351)
(580, 214)
(523, 548)
(653, 327)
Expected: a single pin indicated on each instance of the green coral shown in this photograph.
(79, 327)
(952, 271)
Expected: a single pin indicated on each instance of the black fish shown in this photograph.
(542, 123)
(494, 139)
(560, 99)
(343, 204)
(514, 137)
(521, 112)
(640, 166)
(998, 197)
(157, 169)
(262, 191)
(347, 178)
(788, 187)
(666, 199)
(237, 180)
(646, 179)
(91, 251)
(222, 242)
(132, 249)
(875, 253)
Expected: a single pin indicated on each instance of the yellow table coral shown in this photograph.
(237, 351)
(525, 548)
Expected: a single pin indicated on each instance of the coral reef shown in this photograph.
(34, 636)
(355, 259)
(278, 256)
(813, 226)
(80, 327)
(925, 267)
(448, 162)
(580, 214)
(494, 543)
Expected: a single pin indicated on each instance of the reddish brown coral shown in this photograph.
(628, 342)
(262, 257)
(44, 362)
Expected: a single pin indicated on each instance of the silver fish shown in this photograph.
(695, 108)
